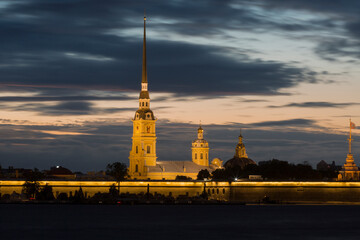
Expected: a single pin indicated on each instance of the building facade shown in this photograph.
(200, 149)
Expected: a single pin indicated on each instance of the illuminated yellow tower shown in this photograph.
(200, 149)
(240, 150)
(143, 151)
(349, 171)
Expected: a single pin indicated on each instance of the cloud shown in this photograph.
(63, 98)
(96, 144)
(68, 44)
(316, 105)
(66, 108)
(290, 122)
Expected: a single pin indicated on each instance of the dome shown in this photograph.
(238, 162)
(144, 114)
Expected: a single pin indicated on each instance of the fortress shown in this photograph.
(153, 176)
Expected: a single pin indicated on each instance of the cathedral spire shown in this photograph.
(144, 98)
(352, 126)
(144, 71)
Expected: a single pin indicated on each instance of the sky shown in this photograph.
(285, 72)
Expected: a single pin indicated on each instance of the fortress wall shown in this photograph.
(286, 192)
(296, 192)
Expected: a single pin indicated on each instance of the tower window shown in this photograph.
(201, 156)
(195, 155)
(148, 129)
(206, 156)
(148, 149)
(136, 168)
(142, 103)
(146, 104)
(137, 149)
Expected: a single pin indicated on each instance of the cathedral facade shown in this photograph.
(142, 157)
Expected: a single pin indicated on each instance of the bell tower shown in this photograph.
(200, 149)
(240, 150)
(143, 151)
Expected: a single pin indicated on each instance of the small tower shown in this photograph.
(200, 149)
(240, 150)
(349, 171)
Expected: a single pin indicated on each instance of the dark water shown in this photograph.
(178, 222)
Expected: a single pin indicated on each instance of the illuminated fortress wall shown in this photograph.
(291, 192)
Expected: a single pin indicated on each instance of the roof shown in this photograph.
(178, 167)
(58, 170)
(142, 113)
(144, 95)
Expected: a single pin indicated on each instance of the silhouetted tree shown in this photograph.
(219, 174)
(63, 197)
(31, 186)
(46, 193)
(182, 178)
(118, 171)
(113, 191)
(79, 196)
(203, 173)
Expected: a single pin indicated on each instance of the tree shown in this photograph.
(113, 191)
(118, 171)
(31, 186)
(219, 174)
(182, 178)
(46, 193)
(203, 173)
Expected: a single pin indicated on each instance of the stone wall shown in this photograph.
(284, 192)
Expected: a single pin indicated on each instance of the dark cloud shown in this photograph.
(67, 45)
(98, 144)
(66, 108)
(290, 122)
(63, 98)
(316, 105)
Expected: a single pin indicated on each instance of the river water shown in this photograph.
(28, 221)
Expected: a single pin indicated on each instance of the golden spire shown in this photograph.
(144, 72)
(240, 137)
(352, 126)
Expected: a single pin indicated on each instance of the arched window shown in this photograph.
(137, 149)
(148, 149)
(148, 129)
(142, 103)
(136, 168)
(206, 156)
(201, 156)
(195, 155)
